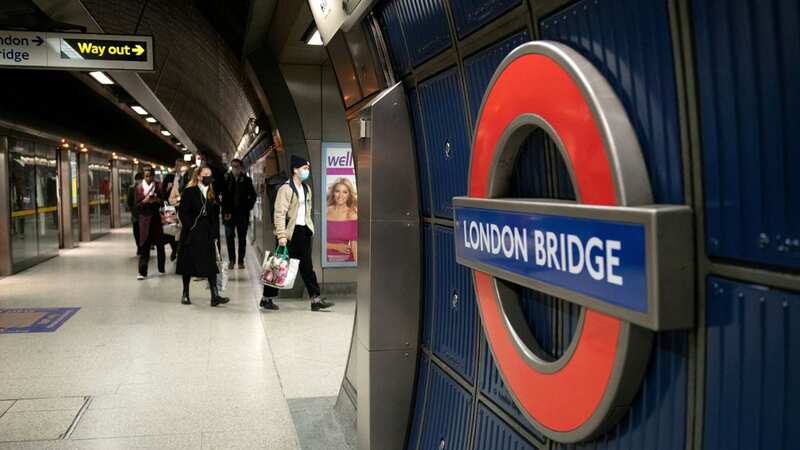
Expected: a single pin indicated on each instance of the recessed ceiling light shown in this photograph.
(315, 39)
(101, 78)
(151, 119)
(166, 133)
(139, 110)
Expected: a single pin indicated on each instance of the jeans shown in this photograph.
(236, 226)
(300, 248)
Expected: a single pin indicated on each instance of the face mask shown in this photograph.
(304, 174)
(199, 162)
(207, 181)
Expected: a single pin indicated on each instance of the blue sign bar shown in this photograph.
(602, 259)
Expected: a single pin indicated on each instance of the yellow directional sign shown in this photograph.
(76, 51)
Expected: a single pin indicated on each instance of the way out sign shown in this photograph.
(69, 51)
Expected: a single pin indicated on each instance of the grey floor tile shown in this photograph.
(318, 427)
(34, 425)
(250, 440)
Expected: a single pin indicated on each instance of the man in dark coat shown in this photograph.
(237, 202)
(148, 203)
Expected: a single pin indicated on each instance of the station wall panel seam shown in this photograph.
(629, 41)
(455, 321)
(752, 397)
(493, 434)
(428, 288)
(446, 138)
(749, 100)
(470, 15)
(445, 395)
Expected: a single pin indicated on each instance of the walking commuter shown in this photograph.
(151, 234)
(133, 209)
(199, 215)
(295, 229)
(237, 202)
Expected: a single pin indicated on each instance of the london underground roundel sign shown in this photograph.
(628, 262)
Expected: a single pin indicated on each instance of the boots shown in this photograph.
(216, 299)
(185, 297)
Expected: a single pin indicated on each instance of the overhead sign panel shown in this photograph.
(68, 51)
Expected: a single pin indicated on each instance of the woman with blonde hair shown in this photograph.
(199, 214)
(342, 226)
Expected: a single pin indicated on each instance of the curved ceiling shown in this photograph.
(197, 77)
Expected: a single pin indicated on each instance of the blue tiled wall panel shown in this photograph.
(442, 102)
(425, 28)
(393, 34)
(629, 41)
(552, 320)
(753, 364)
(657, 417)
(422, 158)
(469, 15)
(493, 387)
(455, 315)
(419, 402)
(540, 171)
(493, 434)
(749, 95)
(480, 67)
(427, 279)
(447, 413)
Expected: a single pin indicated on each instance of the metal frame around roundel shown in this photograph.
(551, 86)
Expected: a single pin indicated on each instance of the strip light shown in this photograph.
(101, 78)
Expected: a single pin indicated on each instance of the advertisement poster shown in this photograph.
(339, 206)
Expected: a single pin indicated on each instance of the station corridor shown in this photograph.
(133, 368)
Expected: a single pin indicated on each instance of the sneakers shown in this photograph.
(230, 266)
(267, 303)
(318, 304)
(140, 277)
(241, 265)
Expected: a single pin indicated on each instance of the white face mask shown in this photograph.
(199, 162)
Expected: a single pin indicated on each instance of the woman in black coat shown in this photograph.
(199, 215)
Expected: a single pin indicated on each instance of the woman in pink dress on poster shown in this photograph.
(342, 222)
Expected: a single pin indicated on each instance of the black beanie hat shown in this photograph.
(298, 162)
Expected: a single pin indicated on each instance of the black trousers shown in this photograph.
(144, 257)
(136, 235)
(300, 248)
(236, 226)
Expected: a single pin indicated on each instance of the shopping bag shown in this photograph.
(278, 270)
(222, 276)
(170, 223)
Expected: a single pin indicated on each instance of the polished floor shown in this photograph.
(135, 369)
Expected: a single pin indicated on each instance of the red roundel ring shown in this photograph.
(548, 85)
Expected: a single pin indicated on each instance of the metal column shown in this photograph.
(83, 200)
(5, 210)
(389, 278)
(65, 199)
